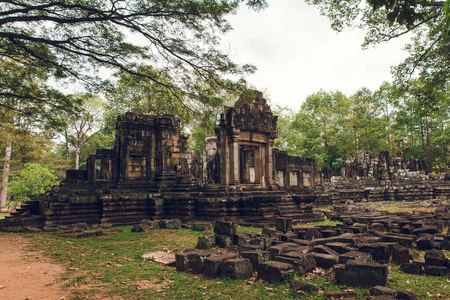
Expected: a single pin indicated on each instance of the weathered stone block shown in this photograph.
(212, 264)
(407, 295)
(237, 267)
(381, 290)
(361, 274)
(325, 261)
(170, 224)
(355, 255)
(224, 241)
(312, 234)
(224, 228)
(206, 242)
(256, 257)
(324, 250)
(436, 257)
(425, 242)
(193, 259)
(400, 255)
(380, 252)
(413, 268)
(283, 248)
(201, 226)
(283, 224)
(274, 271)
(436, 271)
(303, 262)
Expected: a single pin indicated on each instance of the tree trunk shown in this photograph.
(67, 148)
(77, 157)
(3, 194)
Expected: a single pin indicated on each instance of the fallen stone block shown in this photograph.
(170, 224)
(340, 247)
(436, 257)
(312, 234)
(325, 261)
(360, 274)
(283, 224)
(381, 290)
(436, 270)
(284, 248)
(380, 252)
(212, 264)
(407, 295)
(274, 271)
(256, 257)
(206, 242)
(355, 255)
(304, 262)
(193, 259)
(250, 247)
(426, 229)
(324, 250)
(201, 226)
(238, 267)
(414, 267)
(224, 241)
(400, 255)
(425, 242)
(224, 228)
(165, 258)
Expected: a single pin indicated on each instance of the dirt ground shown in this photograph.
(28, 275)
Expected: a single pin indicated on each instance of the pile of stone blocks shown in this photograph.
(355, 250)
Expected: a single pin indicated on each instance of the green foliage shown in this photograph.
(32, 181)
(70, 41)
(427, 22)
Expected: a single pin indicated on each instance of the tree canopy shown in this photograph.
(71, 40)
(427, 22)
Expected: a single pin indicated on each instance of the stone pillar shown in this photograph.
(269, 164)
(234, 160)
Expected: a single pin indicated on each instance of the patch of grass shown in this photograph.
(325, 222)
(3, 215)
(248, 229)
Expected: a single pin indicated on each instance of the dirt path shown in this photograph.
(27, 275)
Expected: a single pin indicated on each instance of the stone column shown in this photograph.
(234, 160)
(269, 164)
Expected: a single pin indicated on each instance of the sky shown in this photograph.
(298, 54)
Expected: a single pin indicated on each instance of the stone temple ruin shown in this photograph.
(150, 174)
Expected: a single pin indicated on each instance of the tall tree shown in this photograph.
(72, 40)
(321, 123)
(84, 126)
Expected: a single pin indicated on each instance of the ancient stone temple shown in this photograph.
(150, 174)
(383, 178)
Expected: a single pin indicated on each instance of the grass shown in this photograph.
(3, 215)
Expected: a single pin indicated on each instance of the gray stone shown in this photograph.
(206, 242)
(355, 255)
(237, 267)
(224, 228)
(274, 271)
(212, 264)
(325, 261)
(361, 274)
(256, 257)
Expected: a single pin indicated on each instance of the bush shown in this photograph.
(32, 181)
